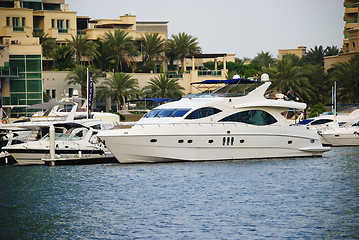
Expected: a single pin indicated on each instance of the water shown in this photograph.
(294, 198)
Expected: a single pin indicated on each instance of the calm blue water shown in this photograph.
(297, 198)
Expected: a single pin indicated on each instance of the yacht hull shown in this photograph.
(204, 142)
(337, 139)
(37, 156)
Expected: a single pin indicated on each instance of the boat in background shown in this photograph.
(345, 135)
(329, 120)
(72, 140)
(215, 125)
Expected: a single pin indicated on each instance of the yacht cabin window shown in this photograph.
(167, 112)
(255, 117)
(321, 121)
(202, 112)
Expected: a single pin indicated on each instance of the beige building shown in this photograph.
(300, 52)
(351, 35)
(23, 80)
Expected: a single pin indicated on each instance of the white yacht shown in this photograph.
(72, 140)
(215, 126)
(344, 135)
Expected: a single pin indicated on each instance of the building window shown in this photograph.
(53, 23)
(60, 24)
(48, 92)
(71, 91)
(15, 21)
(8, 21)
(23, 22)
(67, 24)
(15, 24)
(53, 94)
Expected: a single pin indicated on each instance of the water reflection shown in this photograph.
(284, 198)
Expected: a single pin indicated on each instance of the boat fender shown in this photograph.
(4, 121)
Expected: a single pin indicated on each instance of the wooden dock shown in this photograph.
(80, 161)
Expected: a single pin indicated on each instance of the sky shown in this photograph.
(241, 27)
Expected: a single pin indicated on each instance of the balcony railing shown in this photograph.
(175, 75)
(18, 29)
(81, 32)
(351, 6)
(38, 30)
(209, 73)
(345, 36)
(352, 20)
(63, 30)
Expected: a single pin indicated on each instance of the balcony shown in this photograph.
(17, 29)
(38, 30)
(63, 30)
(81, 32)
(352, 20)
(215, 73)
(174, 75)
(351, 10)
(351, 6)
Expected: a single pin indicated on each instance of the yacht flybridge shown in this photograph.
(215, 125)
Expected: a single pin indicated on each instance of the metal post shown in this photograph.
(52, 142)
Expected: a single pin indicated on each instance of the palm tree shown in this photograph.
(294, 58)
(152, 47)
(315, 56)
(171, 54)
(285, 76)
(48, 44)
(120, 86)
(63, 58)
(81, 46)
(263, 59)
(104, 59)
(122, 47)
(347, 76)
(332, 51)
(184, 44)
(319, 81)
(78, 76)
(163, 87)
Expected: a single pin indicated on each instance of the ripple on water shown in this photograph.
(278, 199)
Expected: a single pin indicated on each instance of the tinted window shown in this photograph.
(305, 121)
(321, 121)
(203, 112)
(255, 117)
(152, 113)
(167, 112)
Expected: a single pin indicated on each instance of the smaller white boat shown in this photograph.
(72, 140)
(345, 135)
(329, 120)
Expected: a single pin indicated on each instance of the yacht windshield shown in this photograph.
(167, 112)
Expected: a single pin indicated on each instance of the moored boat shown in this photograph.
(215, 126)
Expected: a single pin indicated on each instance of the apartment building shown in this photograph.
(351, 35)
(20, 57)
(21, 54)
(350, 42)
(299, 52)
(21, 71)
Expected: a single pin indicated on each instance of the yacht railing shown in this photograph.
(237, 124)
(209, 95)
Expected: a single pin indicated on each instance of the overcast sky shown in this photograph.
(243, 27)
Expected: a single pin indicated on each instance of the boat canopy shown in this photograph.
(228, 81)
(228, 84)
